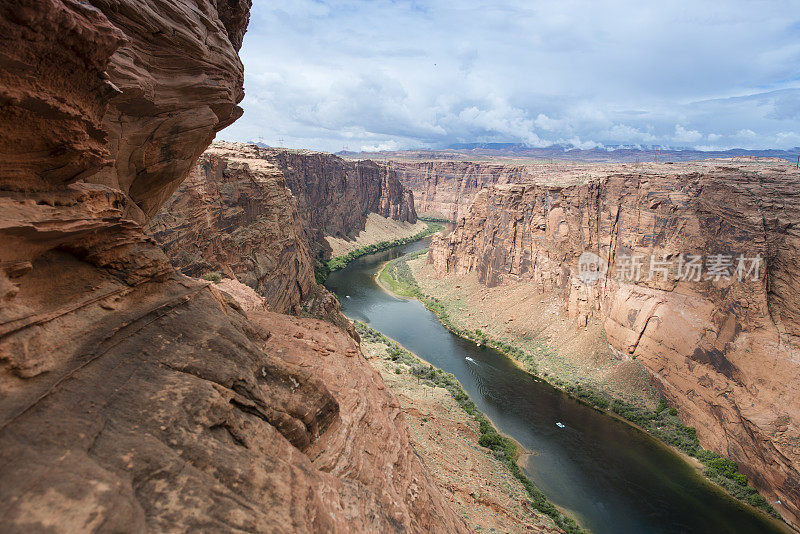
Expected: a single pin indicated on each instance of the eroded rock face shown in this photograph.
(236, 216)
(336, 195)
(135, 398)
(52, 131)
(261, 216)
(177, 411)
(447, 188)
(181, 80)
(725, 352)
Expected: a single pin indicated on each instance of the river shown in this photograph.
(611, 477)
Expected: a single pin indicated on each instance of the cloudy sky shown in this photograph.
(383, 74)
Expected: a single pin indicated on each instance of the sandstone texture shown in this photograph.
(337, 195)
(236, 216)
(51, 131)
(262, 216)
(180, 81)
(725, 351)
(376, 230)
(446, 189)
(134, 398)
(533, 321)
(478, 486)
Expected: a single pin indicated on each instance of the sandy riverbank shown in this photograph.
(514, 314)
(457, 305)
(376, 230)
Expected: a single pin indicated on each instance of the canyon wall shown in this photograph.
(261, 215)
(446, 189)
(179, 84)
(135, 398)
(235, 215)
(336, 195)
(722, 345)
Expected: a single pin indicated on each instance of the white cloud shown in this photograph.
(390, 145)
(417, 73)
(546, 123)
(577, 143)
(788, 139)
(683, 135)
(625, 134)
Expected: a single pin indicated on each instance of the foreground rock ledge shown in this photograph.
(134, 398)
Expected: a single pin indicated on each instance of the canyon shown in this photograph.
(265, 216)
(446, 189)
(236, 216)
(337, 195)
(135, 398)
(139, 396)
(722, 349)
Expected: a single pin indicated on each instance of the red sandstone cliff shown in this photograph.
(135, 398)
(179, 85)
(257, 215)
(725, 352)
(236, 215)
(336, 195)
(447, 188)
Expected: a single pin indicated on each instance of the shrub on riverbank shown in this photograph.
(213, 276)
(662, 423)
(437, 219)
(324, 268)
(504, 449)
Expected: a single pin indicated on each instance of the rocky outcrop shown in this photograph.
(262, 215)
(723, 349)
(336, 195)
(180, 79)
(52, 131)
(135, 398)
(447, 188)
(236, 216)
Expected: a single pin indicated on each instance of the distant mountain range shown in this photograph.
(609, 154)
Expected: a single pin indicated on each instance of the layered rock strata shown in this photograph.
(377, 230)
(262, 216)
(723, 349)
(337, 195)
(236, 216)
(446, 189)
(133, 397)
(180, 80)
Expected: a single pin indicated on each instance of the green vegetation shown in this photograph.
(437, 219)
(663, 423)
(504, 449)
(213, 276)
(398, 278)
(324, 268)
